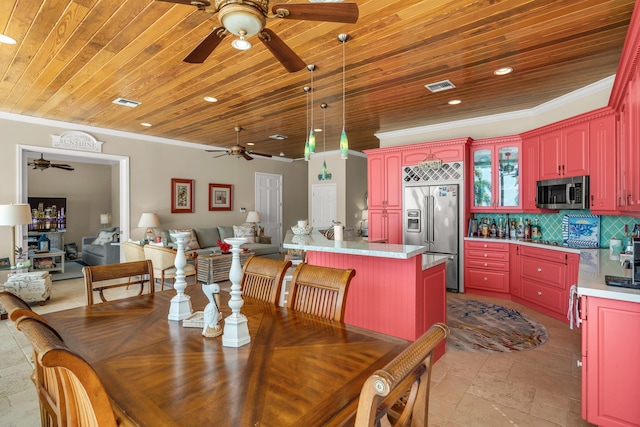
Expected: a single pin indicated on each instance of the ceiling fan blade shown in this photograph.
(60, 166)
(206, 46)
(281, 51)
(253, 153)
(221, 155)
(218, 150)
(328, 12)
(246, 156)
(198, 3)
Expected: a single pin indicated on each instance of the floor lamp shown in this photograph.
(13, 215)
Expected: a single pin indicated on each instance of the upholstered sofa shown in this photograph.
(34, 286)
(204, 241)
(102, 248)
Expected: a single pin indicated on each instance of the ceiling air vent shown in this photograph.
(278, 137)
(126, 102)
(440, 86)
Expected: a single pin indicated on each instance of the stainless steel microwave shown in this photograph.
(563, 193)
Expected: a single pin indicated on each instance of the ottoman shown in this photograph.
(34, 286)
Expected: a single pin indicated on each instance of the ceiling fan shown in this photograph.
(43, 164)
(245, 18)
(238, 150)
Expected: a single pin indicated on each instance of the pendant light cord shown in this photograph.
(343, 84)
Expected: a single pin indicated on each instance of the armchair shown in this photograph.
(103, 248)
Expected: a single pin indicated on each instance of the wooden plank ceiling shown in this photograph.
(74, 57)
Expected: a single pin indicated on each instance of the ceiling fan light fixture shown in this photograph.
(241, 43)
(242, 19)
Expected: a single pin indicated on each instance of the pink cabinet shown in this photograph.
(610, 355)
(602, 164)
(629, 148)
(385, 180)
(385, 225)
(495, 165)
(448, 151)
(530, 173)
(486, 267)
(565, 152)
(514, 270)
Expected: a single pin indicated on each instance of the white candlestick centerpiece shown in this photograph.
(236, 330)
(181, 303)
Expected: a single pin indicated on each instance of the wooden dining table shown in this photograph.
(297, 370)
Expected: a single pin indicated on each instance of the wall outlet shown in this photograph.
(243, 209)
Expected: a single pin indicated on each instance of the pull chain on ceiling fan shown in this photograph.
(246, 18)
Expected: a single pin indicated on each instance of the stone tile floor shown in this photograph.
(540, 387)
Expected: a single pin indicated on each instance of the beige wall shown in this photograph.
(88, 190)
(152, 165)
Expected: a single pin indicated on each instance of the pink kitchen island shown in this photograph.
(397, 290)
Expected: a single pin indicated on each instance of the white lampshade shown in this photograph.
(105, 218)
(148, 220)
(18, 214)
(253, 216)
(365, 214)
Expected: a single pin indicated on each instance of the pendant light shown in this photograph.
(307, 150)
(344, 141)
(312, 135)
(324, 174)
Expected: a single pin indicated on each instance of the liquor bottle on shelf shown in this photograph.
(527, 230)
(520, 229)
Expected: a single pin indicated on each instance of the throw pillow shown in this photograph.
(104, 237)
(191, 242)
(225, 232)
(71, 250)
(207, 237)
(240, 231)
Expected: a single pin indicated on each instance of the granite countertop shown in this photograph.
(431, 260)
(594, 265)
(533, 243)
(317, 242)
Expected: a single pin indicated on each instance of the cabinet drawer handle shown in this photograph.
(485, 245)
(539, 293)
(539, 270)
(486, 264)
(486, 278)
(485, 255)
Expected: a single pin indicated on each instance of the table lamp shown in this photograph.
(105, 219)
(13, 215)
(254, 218)
(149, 220)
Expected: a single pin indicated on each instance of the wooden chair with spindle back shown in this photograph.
(70, 387)
(104, 277)
(320, 291)
(407, 376)
(262, 278)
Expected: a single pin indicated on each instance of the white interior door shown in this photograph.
(324, 201)
(269, 205)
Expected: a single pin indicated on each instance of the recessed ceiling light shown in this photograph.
(251, 143)
(147, 125)
(278, 137)
(317, 130)
(502, 71)
(210, 99)
(282, 154)
(455, 102)
(7, 40)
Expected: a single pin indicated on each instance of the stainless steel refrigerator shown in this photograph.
(431, 219)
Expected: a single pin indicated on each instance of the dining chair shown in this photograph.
(16, 307)
(262, 278)
(163, 260)
(104, 277)
(67, 385)
(398, 394)
(320, 291)
(132, 252)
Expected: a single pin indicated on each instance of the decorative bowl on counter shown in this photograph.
(301, 231)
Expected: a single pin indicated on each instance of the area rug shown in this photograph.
(489, 328)
(72, 270)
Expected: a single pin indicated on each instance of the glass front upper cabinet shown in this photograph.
(496, 177)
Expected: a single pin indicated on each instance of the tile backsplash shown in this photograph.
(611, 226)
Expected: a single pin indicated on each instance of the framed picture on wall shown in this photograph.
(220, 197)
(181, 195)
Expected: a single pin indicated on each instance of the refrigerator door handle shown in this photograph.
(425, 202)
(432, 208)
